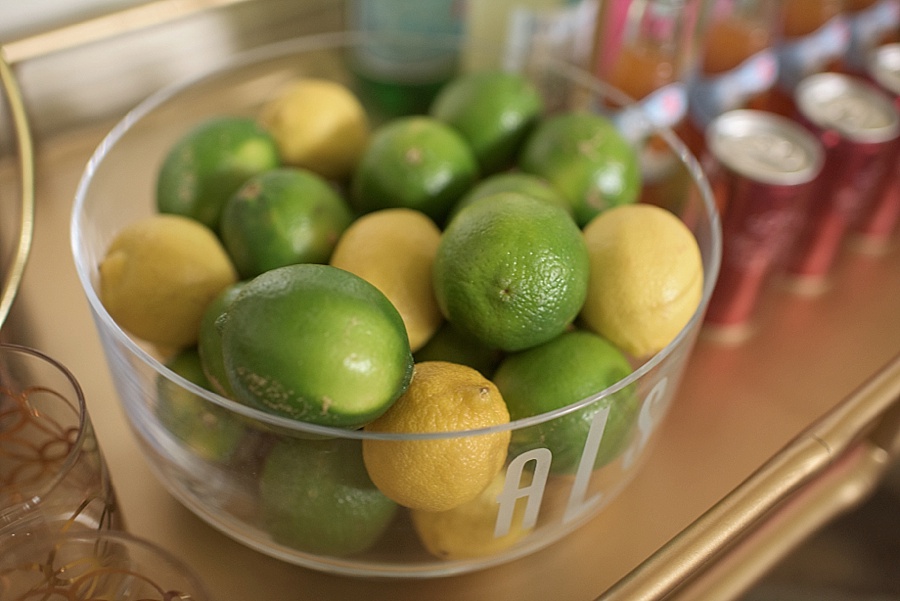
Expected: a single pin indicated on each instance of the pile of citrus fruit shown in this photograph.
(436, 273)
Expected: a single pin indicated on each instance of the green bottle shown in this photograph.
(407, 51)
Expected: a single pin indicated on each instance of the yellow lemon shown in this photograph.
(646, 277)
(467, 531)
(318, 124)
(158, 276)
(394, 250)
(438, 474)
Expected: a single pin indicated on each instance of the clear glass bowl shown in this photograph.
(118, 187)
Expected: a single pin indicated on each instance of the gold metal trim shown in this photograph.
(826, 469)
(26, 175)
(843, 486)
(829, 467)
(107, 26)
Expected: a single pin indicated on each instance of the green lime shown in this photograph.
(209, 343)
(208, 429)
(414, 162)
(586, 158)
(450, 345)
(282, 217)
(316, 496)
(317, 344)
(209, 163)
(493, 110)
(512, 181)
(565, 370)
(512, 271)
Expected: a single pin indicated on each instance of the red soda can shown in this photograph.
(858, 126)
(879, 222)
(766, 166)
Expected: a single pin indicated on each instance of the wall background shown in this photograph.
(103, 79)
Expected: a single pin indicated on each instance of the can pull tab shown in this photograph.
(764, 154)
(855, 113)
(775, 153)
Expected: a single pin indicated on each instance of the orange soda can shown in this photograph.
(858, 126)
(767, 166)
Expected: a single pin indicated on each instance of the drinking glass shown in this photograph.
(52, 472)
(96, 565)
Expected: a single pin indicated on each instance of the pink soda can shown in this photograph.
(765, 166)
(878, 224)
(858, 126)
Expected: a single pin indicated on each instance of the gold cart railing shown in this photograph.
(827, 469)
(18, 122)
(830, 467)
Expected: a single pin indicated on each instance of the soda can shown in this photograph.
(858, 126)
(878, 224)
(766, 166)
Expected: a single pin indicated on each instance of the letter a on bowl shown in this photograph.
(512, 491)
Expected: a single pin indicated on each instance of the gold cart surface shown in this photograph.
(766, 441)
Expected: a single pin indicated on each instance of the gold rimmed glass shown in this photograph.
(52, 473)
(95, 565)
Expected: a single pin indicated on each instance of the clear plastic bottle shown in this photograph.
(508, 24)
(813, 37)
(737, 63)
(652, 50)
(647, 53)
(872, 23)
(518, 35)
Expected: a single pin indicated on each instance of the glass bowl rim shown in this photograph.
(336, 41)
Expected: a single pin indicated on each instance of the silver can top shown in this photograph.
(884, 67)
(765, 147)
(849, 105)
